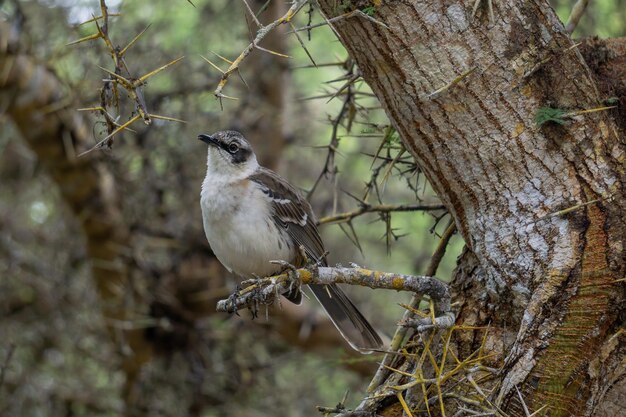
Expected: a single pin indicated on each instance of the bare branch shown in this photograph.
(252, 14)
(577, 12)
(260, 35)
(341, 17)
(109, 94)
(379, 208)
(400, 334)
(264, 289)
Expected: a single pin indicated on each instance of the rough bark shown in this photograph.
(546, 283)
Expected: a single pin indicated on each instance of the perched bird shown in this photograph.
(252, 215)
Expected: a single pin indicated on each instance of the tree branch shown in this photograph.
(577, 12)
(261, 33)
(265, 290)
(380, 208)
(401, 331)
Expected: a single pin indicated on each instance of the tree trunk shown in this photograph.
(546, 283)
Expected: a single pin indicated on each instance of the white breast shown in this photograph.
(240, 229)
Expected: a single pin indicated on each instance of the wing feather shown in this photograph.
(292, 212)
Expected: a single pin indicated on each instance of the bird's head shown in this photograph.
(229, 154)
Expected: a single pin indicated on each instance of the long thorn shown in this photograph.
(143, 78)
(135, 39)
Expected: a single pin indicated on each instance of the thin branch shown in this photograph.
(5, 364)
(260, 35)
(341, 17)
(109, 93)
(330, 169)
(252, 14)
(577, 12)
(451, 84)
(379, 208)
(398, 337)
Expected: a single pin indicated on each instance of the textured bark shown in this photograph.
(546, 283)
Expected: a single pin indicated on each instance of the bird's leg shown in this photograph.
(256, 294)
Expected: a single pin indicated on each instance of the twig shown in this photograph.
(341, 17)
(380, 208)
(5, 364)
(451, 84)
(109, 95)
(252, 14)
(329, 164)
(477, 3)
(400, 333)
(261, 33)
(577, 12)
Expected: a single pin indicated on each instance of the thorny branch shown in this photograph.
(330, 169)
(353, 13)
(109, 93)
(262, 32)
(427, 377)
(400, 334)
(378, 208)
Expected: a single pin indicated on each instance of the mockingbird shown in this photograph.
(252, 215)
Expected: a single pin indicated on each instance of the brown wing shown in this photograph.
(292, 212)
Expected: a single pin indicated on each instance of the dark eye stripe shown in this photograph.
(240, 156)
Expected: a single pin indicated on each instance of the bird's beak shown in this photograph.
(209, 140)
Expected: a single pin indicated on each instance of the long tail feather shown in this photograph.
(347, 318)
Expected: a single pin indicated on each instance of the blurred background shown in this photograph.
(84, 332)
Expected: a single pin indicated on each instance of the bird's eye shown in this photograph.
(233, 148)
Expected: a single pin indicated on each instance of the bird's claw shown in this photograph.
(231, 302)
(292, 274)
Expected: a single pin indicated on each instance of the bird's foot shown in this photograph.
(293, 277)
(255, 281)
(231, 302)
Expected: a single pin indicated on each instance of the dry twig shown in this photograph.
(109, 93)
(262, 32)
(400, 334)
(378, 208)
(577, 12)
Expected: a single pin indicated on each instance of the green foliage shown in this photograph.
(369, 10)
(367, 7)
(392, 137)
(549, 114)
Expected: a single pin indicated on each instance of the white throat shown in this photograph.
(221, 172)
